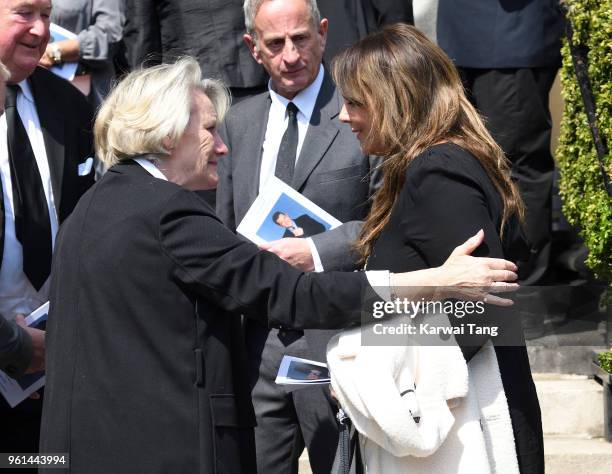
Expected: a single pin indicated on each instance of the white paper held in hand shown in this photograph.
(296, 371)
(300, 216)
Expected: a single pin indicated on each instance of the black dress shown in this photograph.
(446, 198)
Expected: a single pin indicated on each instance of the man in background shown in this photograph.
(45, 166)
(292, 132)
(508, 54)
(211, 31)
(351, 20)
(21, 348)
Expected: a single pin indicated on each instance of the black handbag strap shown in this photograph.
(348, 455)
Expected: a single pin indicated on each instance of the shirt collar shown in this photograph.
(151, 168)
(305, 100)
(26, 90)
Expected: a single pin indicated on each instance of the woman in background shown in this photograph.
(444, 178)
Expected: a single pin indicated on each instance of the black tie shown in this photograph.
(285, 160)
(32, 224)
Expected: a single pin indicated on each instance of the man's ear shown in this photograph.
(252, 45)
(323, 26)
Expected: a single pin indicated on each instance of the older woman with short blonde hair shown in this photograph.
(150, 111)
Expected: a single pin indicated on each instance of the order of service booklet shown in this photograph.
(280, 211)
(296, 371)
(17, 390)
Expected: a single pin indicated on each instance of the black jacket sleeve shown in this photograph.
(238, 277)
(451, 199)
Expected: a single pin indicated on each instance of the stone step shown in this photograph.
(563, 455)
(572, 419)
(573, 455)
(564, 359)
(572, 405)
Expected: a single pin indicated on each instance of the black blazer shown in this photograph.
(446, 198)
(66, 120)
(146, 370)
(494, 34)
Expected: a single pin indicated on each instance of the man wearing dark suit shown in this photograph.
(211, 31)
(351, 20)
(45, 142)
(292, 132)
(21, 348)
(302, 226)
(508, 53)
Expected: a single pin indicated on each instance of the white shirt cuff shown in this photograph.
(380, 281)
(318, 266)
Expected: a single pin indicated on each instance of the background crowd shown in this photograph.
(285, 107)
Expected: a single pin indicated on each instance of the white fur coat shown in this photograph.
(464, 424)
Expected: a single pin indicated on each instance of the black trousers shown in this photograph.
(514, 103)
(289, 420)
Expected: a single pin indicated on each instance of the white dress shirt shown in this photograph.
(277, 124)
(17, 295)
(278, 121)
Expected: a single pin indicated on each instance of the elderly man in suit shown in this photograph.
(45, 142)
(21, 348)
(292, 132)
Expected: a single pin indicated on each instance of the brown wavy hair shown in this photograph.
(415, 99)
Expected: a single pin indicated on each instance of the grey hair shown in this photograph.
(148, 111)
(251, 7)
(5, 74)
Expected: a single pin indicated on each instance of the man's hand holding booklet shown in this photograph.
(17, 390)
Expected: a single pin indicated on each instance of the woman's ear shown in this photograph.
(168, 143)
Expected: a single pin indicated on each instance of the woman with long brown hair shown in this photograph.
(444, 179)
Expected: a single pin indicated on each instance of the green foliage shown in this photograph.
(605, 361)
(585, 201)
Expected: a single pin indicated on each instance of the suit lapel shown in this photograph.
(52, 126)
(322, 131)
(248, 168)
